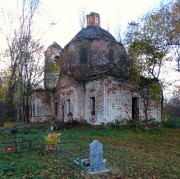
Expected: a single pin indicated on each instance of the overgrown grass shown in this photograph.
(152, 153)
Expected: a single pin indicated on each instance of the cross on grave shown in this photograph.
(96, 158)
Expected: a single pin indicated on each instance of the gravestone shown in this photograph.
(96, 158)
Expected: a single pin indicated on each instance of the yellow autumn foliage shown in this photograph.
(52, 138)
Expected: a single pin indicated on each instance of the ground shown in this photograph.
(151, 153)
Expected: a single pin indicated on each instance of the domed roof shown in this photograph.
(94, 32)
(92, 51)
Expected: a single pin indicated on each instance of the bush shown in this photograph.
(134, 124)
(118, 124)
(84, 123)
(172, 122)
(52, 139)
(8, 119)
(125, 124)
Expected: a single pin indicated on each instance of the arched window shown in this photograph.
(83, 54)
(33, 109)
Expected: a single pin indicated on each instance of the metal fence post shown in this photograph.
(80, 157)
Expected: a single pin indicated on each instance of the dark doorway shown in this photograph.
(135, 108)
(62, 110)
(33, 109)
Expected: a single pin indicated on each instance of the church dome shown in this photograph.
(92, 51)
(94, 32)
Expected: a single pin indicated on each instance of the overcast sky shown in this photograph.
(64, 14)
(113, 13)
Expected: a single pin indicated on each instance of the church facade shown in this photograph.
(88, 80)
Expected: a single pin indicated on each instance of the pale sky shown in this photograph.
(65, 15)
(113, 13)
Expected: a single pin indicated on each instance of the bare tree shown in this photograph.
(24, 53)
(118, 34)
(172, 105)
(82, 17)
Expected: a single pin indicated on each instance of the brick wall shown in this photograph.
(99, 58)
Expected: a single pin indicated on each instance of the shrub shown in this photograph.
(134, 124)
(172, 122)
(52, 139)
(121, 124)
(8, 119)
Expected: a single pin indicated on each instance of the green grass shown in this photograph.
(151, 153)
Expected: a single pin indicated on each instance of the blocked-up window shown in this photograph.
(92, 100)
(68, 106)
(83, 55)
(56, 109)
(33, 109)
(111, 55)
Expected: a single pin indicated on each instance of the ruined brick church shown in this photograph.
(88, 80)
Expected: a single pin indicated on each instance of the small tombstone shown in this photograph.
(52, 126)
(96, 158)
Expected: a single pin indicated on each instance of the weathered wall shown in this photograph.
(113, 101)
(42, 107)
(69, 99)
(99, 57)
(94, 89)
(154, 111)
(118, 97)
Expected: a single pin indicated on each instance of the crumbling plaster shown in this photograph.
(113, 100)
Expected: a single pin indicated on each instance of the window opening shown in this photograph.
(68, 106)
(33, 109)
(83, 55)
(92, 105)
(62, 109)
